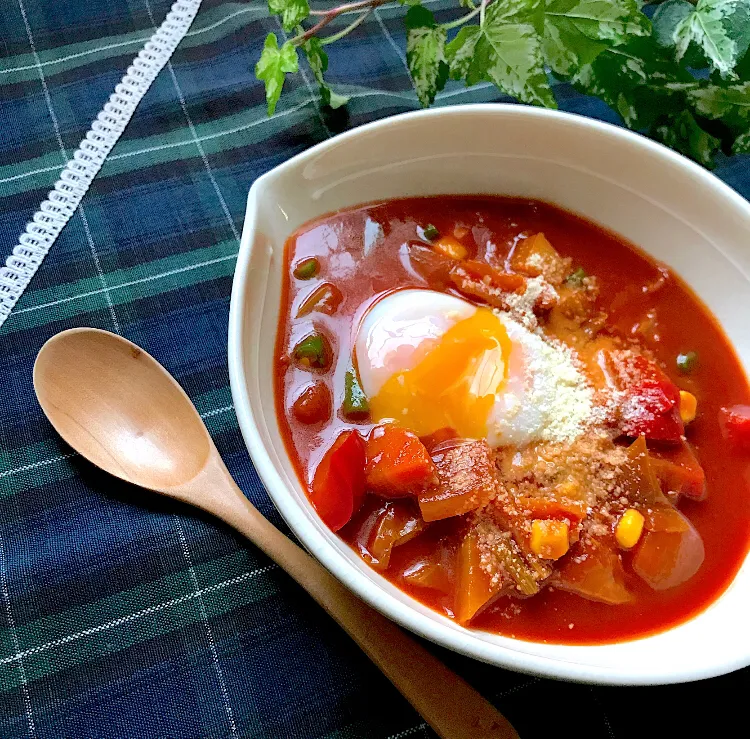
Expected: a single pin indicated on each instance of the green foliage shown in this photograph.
(318, 61)
(505, 49)
(425, 53)
(682, 77)
(292, 12)
(273, 66)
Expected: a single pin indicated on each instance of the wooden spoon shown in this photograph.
(120, 409)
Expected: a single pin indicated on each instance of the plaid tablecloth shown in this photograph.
(122, 615)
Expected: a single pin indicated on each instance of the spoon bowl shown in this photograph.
(120, 409)
(117, 405)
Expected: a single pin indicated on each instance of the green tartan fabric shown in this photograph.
(124, 615)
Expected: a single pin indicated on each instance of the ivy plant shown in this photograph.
(677, 70)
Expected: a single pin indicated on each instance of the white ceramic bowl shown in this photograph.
(669, 206)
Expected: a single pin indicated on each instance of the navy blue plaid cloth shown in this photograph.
(124, 615)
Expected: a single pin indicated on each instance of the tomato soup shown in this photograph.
(518, 418)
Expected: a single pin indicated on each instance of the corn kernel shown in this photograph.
(688, 406)
(549, 538)
(629, 528)
(451, 248)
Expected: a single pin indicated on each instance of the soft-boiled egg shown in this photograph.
(430, 360)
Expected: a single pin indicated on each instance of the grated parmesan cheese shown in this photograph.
(546, 397)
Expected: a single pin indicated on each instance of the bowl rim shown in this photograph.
(403, 614)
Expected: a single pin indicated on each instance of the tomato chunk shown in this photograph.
(398, 463)
(735, 426)
(338, 486)
(650, 402)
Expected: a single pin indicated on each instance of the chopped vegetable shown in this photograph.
(356, 406)
(314, 352)
(429, 265)
(671, 551)
(338, 486)
(397, 462)
(451, 248)
(650, 400)
(679, 471)
(466, 480)
(576, 277)
(595, 573)
(307, 268)
(637, 480)
(460, 232)
(325, 298)
(735, 426)
(687, 362)
(434, 570)
(549, 538)
(438, 437)
(430, 232)
(313, 404)
(389, 525)
(474, 586)
(688, 406)
(535, 256)
(572, 510)
(629, 528)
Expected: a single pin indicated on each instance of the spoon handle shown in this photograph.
(446, 702)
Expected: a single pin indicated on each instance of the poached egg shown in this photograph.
(428, 360)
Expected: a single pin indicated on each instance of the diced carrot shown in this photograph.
(451, 247)
(397, 462)
(535, 256)
(466, 481)
(474, 586)
(735, 426)
(545, 508)
(483, 272)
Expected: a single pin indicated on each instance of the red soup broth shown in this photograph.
(363, 252)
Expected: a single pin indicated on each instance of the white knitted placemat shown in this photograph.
(76, 177)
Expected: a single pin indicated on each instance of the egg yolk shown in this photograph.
(454, 384)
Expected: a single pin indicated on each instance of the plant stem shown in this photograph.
(345, 8)
(464, 19)
(344, 31)
(482, 8)
(326, 16)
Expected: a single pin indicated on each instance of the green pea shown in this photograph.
(687, 362)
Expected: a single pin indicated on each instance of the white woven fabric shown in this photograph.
(75, 179)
